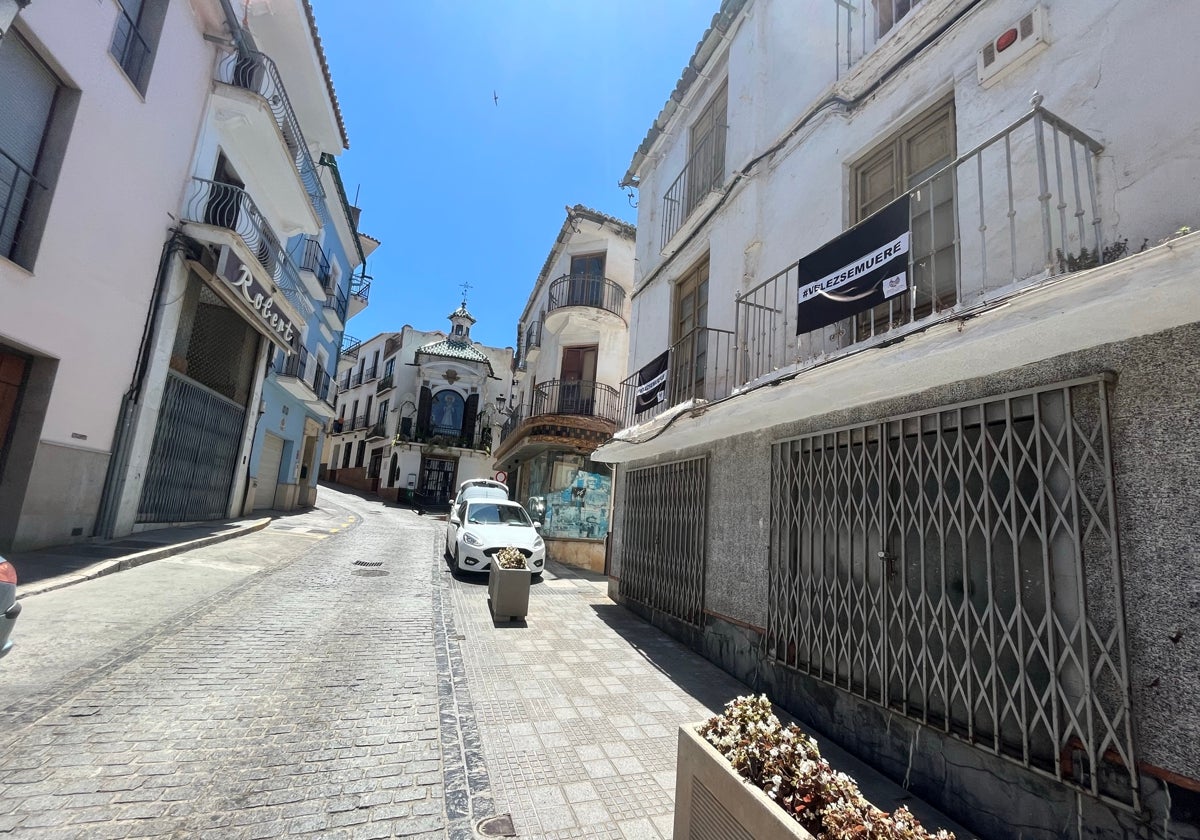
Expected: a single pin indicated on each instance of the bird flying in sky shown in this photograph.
(496, 98)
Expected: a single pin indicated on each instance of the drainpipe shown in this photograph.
(118, 462)
(243, 39)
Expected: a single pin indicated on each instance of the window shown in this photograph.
(389, 367)
(706, 149)
(383, 410)
(35, 112)
(135, 38)
(577, 390)
(905, 164)
(689, 339)
(888, 13)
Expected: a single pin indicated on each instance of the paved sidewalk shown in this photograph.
(53, 568)
(578, 710)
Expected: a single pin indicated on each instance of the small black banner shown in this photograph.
(652, 384)
(860, 269)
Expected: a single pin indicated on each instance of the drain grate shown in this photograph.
(501, 826)
(370, 564)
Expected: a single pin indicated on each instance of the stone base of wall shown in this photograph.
(582, 554)
(355, 477)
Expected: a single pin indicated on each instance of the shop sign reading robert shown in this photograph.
(862, 268)
(239, 277)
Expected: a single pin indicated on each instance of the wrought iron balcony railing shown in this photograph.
(385, 383)
(230, 207)
(18, 190)
(360, 422)
(370, 373)
(336, 302)
(295, 364)
(357, 379)
(312, 258)
(350, 347)
(1017, 209)
(478, 437)
(360, 287)
(581, 397)
(256, 72)
(533, 335)
(344, 381)
(378, 430)
(704, 173)
(700, 366)
(586, 290)
(323, 385)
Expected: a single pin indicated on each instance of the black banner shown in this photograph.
(652, 384)
(860, 269)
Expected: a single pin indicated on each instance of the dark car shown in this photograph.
(10, 607)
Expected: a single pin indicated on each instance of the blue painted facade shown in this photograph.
(299, 391)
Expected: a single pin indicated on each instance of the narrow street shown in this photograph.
(328, 677)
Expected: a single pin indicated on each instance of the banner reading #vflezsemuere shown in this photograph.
(862, 268)
(651, 384)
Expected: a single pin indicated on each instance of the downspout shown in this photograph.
(243, 39)
(118, 462)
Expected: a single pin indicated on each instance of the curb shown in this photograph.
(129, 561)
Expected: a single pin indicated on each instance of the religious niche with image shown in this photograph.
(447, 414)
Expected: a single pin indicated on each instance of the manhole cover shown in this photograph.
(501, 826)
(368, 563)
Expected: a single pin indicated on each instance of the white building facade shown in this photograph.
(573, 345)
(930, 345)
(417, 413)
(139, 315)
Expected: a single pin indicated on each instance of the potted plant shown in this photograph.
(744, 774)
(508, 584)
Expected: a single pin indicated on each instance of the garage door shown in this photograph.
(268, 471)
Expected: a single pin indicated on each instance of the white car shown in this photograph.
(478, 528)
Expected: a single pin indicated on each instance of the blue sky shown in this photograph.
(461, 189)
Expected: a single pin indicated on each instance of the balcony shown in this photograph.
(335, 308)
(533, 340)
(700, 366)
(230, 208)
(703, 175)
(378, 430)
(1016, 212)
(356, 379)
(370, 373)
(314, 267)
(581, 399)
(387, 383)
(256, 73)
(348, 355)
(601, 299)
(360, 293)
(315, 391)
(478, 438)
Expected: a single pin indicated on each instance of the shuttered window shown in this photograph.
(26, 104)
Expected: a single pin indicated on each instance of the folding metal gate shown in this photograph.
(960, 566)
(194, 456)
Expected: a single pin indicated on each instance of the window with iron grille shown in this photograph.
(663, 546)
(135, 38)
(960, 566)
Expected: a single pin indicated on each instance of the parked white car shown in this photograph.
(477, 528)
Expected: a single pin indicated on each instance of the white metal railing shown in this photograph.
(1019, 208)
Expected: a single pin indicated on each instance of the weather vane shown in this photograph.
(465, 286)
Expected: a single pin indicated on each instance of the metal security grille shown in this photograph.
(194, 455)
(663, 549)
(215, 346)
(961, 567)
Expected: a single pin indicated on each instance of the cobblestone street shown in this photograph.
(357, 690)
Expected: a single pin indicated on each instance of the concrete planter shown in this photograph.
(712, 802)
(508, 591)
